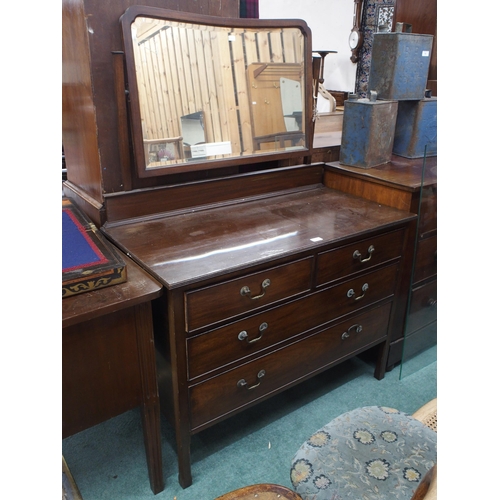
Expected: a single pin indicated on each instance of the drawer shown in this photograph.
(231, 298)
(252, 381)
(359, 256)
(428, 211)
(228, 344)
(426, 259)
(423, 307)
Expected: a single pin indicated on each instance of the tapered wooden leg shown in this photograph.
(150, 407)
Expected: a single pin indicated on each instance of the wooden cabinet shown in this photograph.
(400, 184)
(108, 360)
(265, 291)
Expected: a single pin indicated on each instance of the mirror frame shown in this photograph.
(126, 21)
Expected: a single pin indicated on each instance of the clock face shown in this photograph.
(353, 39)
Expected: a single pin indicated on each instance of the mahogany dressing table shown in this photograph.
(270, 276)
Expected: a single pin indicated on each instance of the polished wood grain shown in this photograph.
(108, 360)
(179, 250)
(80, 142)
(187, 196)
(262, 492)
(334, 264)
(283, 368)
(393, 184)
(411, 185)
(225, 300)
(222, 347)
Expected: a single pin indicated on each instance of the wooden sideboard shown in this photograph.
(400, 184)
(108, 360)
(264, 290)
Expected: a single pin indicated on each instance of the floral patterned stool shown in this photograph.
(369, 453)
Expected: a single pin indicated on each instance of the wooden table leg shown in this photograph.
(150, 408)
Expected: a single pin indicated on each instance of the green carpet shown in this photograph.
(108, 461)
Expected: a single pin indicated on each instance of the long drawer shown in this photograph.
(256, 379)
(240, 339)
(231, 298)
(362, 255)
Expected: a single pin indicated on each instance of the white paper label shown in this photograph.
(211, 149)
(231, 38)
(425, 53)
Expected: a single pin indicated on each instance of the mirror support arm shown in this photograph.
(121, 104)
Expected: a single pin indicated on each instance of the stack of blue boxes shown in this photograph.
(399, 117)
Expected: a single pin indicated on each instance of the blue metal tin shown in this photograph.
(367, 131)
(416, 128)
(400, 65)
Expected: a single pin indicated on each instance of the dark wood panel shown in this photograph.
(221, 395)
(402, 173)
(213, 242)
(189, 195)
(225, 300)
(426, 259)
(340, 262)
(95, 385)
(221, 347)
(423, 308)
(421, 15)
(79, 131)
(428, 212)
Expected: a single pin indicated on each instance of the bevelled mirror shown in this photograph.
(206, 92)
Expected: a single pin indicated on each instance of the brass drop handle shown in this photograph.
(243, 335)
(347, 334)
(357, 254)
(352, 293)
(243, 382)
(245, 291)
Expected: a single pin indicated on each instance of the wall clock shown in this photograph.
(356, 37)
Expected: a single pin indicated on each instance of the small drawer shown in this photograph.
(426, 259)
(246, 337)
(428, 211)
(231, 298)
(423, 307)
(359, 256)
(236, 388)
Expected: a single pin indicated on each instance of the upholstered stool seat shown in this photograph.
(369, 453)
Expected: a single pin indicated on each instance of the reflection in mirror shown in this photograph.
(207, 92)
(193, 133)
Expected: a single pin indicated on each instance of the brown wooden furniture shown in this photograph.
(108, 360)
(264, 290)
(271, 277)
(262, 492)
(397, 184)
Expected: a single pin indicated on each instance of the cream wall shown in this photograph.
(330, 22)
